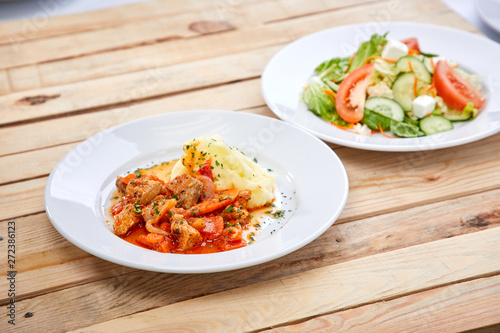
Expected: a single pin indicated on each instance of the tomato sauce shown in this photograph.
(209, 246)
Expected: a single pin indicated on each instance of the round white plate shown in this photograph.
(287, 73)
(312, 186)
(489, 12)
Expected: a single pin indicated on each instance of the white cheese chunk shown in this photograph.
(423, 105)
(394, 50)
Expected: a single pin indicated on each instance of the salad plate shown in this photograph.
(287, 73)
(79, 189)
(489, 12)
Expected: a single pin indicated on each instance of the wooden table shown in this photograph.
(417, 247)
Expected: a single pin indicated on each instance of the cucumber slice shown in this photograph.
(403, 65)
(386, 106)
(435, 124)
(455, 115)
(428, 64)
(403, 90)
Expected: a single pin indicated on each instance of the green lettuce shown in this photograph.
(333, 69)
(368, 49)
(320, 103)
(470, 110)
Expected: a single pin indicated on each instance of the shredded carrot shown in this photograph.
(375, 57)
(305, 88)
(433, 92)
(383, 133)
(330, 93)
(433, 65)
(415, 87)
(454, 66)
(430, 87)
(350, 61)
(411, 67)
(351, 125)
(412, 51)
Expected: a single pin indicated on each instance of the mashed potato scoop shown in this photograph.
(230, 168)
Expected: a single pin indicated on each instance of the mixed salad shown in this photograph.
(390, 85)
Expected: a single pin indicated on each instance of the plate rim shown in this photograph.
(369, 145)
(190, 270)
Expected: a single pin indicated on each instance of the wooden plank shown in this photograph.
(45, 251)
(454, 308)
(4, 82)
(145, 32)
(419, 177)
(244, 95)
(167, 53)
(22, 198)
(315, 292)
(32, 164)
(28, 28)
(131, 87)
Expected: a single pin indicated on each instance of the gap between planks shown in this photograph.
(157, 55)
(426, 312)
(340, 243)
(147, 32)
(320, 291)
(11, 32)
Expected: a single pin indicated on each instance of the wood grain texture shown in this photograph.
(135, 86)
(30, 29)
(453, 308)
(32, 164)
(418, 240)
(42, 134)
(343, 242)
(165, 53)
(315, 292)
(148, 31)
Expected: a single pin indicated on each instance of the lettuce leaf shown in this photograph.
(320, 103)
(333, 69)
(368, 49)
(470, 110)
(372, 119)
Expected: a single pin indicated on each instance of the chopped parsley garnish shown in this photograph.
(138, 173)
(279, 213)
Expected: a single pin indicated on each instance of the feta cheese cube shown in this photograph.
(394, 49)
(423, 105)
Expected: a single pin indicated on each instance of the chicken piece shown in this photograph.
(126, 219)
(121, 184)
(238, 210)
(208, 189)
(186, 189)
(152, 211)
(187, 236)
(243, 198)
(145, 189)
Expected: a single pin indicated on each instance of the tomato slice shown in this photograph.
(454, 89)
(412, 43)
(351, 96)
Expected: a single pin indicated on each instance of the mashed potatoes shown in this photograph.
(229, 166)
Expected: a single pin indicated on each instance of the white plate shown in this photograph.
(287, 73)
(489, 12)
(312, 186)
